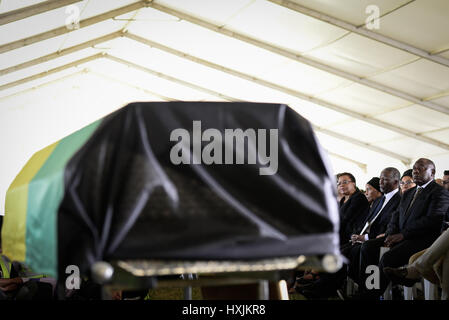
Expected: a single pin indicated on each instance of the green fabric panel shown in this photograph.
(45, 193)
(5, 265)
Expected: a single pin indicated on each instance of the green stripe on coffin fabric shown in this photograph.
(45, 193)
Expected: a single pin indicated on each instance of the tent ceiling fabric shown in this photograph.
(376, 97)
(351, 11)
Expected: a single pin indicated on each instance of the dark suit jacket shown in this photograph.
(352, 214)
(380, 224)
(425, 217)
(446, 221)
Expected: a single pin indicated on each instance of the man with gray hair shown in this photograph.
(432, 263)
(376, 222)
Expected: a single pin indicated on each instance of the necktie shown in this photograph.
(378, 207)
(418, 191)
(370, 220)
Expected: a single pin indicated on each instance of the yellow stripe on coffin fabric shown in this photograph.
(14, 224)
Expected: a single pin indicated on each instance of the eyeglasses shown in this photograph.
(343, 182)
(445, 181)
(405, 183)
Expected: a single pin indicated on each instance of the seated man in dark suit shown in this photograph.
(413, 227)
(375, 224)
(377, 220)
(431, 263)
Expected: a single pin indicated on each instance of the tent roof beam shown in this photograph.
(61, 53)
(63, 30)
(167, 77)
(51, 71)
(361, 30)
(22, 13)
(298, 57)
(362, 166)
(366, 145)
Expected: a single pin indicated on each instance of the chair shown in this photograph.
(409, 292)
(430, 290)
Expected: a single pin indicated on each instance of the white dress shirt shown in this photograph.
(388, 197)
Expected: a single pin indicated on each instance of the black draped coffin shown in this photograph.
(152, 182)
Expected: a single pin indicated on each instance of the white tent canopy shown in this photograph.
(377, 92)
